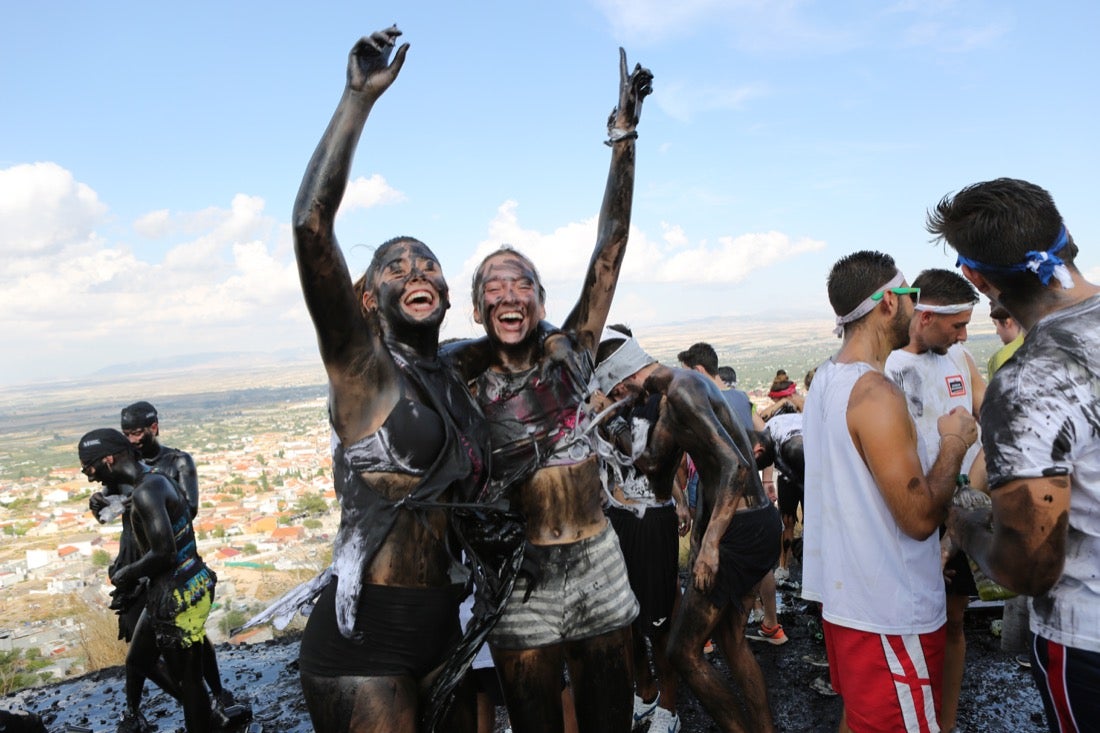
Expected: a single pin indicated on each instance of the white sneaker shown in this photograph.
(664, 721)
(643, 711)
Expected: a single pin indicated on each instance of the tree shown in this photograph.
(101, 558)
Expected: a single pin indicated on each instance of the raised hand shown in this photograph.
(369, 68)
(633, 89)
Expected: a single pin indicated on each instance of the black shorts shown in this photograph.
(962, 584)
(651, 549)
(790, 496)
(746, 552)
(406, 631)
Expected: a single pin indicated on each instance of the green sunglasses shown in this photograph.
(915, 292)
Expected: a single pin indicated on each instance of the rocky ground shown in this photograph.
(997, 695)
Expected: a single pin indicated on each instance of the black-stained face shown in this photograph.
(142, 438)
(508, 305)
(409, 287)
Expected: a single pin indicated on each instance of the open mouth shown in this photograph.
(419, 298)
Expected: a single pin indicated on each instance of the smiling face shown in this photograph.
(407, 285)
(508, 298)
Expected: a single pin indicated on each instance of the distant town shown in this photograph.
(268, 511)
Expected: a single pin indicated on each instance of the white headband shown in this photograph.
(867, 305)
(623, 362)
(945, 309)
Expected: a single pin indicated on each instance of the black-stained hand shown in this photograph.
(369, 69)
(706, 569)
(634, 87)
(97, 502)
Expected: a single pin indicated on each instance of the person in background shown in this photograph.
(140, 423)
(1010, 334)
(937, 374)
(735, 536)
(180, 586)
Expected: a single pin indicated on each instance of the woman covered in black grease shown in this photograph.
(407, 440)
(572, 606)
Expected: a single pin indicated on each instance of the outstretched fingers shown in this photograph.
(369, 67)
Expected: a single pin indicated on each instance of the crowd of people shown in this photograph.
(552, 471)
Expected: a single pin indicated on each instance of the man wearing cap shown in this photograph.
(871, 553)
(735, 537)
(937, 374)
(141, 425)
(1040, 416)
(180, 586)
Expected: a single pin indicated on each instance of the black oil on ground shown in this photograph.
(997, 695)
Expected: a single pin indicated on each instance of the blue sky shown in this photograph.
(150, 153)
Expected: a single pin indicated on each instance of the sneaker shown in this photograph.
(756, 615)
(1024, 661)
(643, 711)
(813, 661)
(771, 634)
(134, 723)
(781, 574)
(821, 686)
(664, 721)
(708, 648)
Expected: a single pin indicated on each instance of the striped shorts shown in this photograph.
(582, 591)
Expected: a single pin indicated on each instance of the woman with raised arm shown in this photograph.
(407, 439)
(576, 608)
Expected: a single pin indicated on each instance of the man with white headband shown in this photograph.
(1040, 421)
(937, 374)
(871, 553)
(736, 534)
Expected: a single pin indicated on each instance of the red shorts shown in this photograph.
(888, 683)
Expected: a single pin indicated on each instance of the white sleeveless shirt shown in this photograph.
(866, 573)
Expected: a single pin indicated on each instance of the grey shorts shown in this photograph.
(582, 591)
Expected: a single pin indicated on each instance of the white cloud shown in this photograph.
(563, 255)
(42, 208)
(88, 301)
(686, 101)
(733, 259)
(365, 193)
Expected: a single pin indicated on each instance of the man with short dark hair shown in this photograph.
(871, 553)
(1040, 416)
(701, 357)
(180, 588)
(937, 374)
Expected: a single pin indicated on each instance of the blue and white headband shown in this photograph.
(1043, 264)
(867, 305)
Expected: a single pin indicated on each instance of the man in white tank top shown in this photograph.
(871, 550)
(937, 374)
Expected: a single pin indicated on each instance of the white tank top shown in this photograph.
(866, 573)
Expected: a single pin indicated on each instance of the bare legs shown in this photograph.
(698, 620)
(601, 672)
(954, 660)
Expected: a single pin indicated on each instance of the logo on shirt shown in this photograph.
(956, 387)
